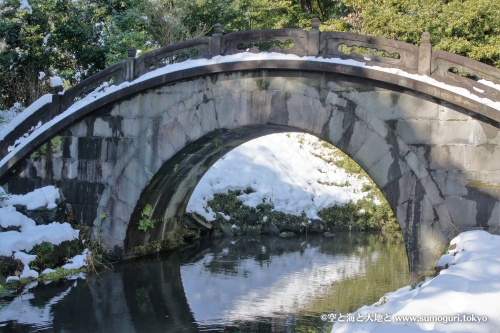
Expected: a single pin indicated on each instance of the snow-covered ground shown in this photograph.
(12, 243)
(462, 298)
(283, 170)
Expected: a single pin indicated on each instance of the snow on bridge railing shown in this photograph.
(442, 66)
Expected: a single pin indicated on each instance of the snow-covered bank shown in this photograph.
(285, 170)
(13, 242)
(459, 299)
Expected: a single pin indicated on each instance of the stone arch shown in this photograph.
(183, 119)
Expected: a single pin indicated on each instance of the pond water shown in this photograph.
(246, 284)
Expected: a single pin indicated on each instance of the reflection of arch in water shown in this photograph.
(261, 279)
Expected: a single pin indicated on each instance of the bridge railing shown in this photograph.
(442, 66)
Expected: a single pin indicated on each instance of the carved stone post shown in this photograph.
(216, 40)
(55, 106)
(313, 39)
(424, 55)
(130, 64)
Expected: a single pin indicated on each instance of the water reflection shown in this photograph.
(251, 284)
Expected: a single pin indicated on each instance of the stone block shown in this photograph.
(105, 197)
(406, 186)
(414, 131)
(360, 135)
(446, 157)
(89, 171)
(129, 108)
(463, 211)
(133, 127)
(372, 150)
(70, 169)
(334, 99)
(137, 173)
(126, 190)
(456, 132)
(158, 141)
(250, 84)
(190, 121)
(482, 158)
(446, 113)
(335, 129)
(208, 117)
(275, 84)
(445, 221)
(404, 148)
(312, 92)
(416, 165)
(151, 159)
(494, 221)
(279, 109)
(225, 108)
(363, 114)
(390, 105)
(57, 165)
(380, 171)
(307, 114)
(401, 214)
(194, 100)
(432, 190)
(79, 129)
(294, 86)
(102, 128)
(120, 210)
(113, 233)
(451, 183)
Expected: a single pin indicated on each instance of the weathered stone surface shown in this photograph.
(287, 234)
(372, 150)
(270, 229)
(463, 211)
(434, 161)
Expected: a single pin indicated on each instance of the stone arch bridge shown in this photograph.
(144, 131)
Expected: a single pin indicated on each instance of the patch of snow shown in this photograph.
(80, 275)
(77, 261)
(281, 170)
(55, 233)
(10, 217)
(42, 197)
(56, 81)
(48, 271)
(468, 287)
(16, 121)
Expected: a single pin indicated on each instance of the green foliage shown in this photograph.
(43, 247)
(102, 216)
(249, 190)
(57, 37)
(362, 215)
(467, 27)
(145, 223)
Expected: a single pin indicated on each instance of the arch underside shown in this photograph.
(433, 161)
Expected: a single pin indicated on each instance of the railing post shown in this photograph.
(55, 106)
(313, 39)
(216, 40)
(130, 64)
(424, 55)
